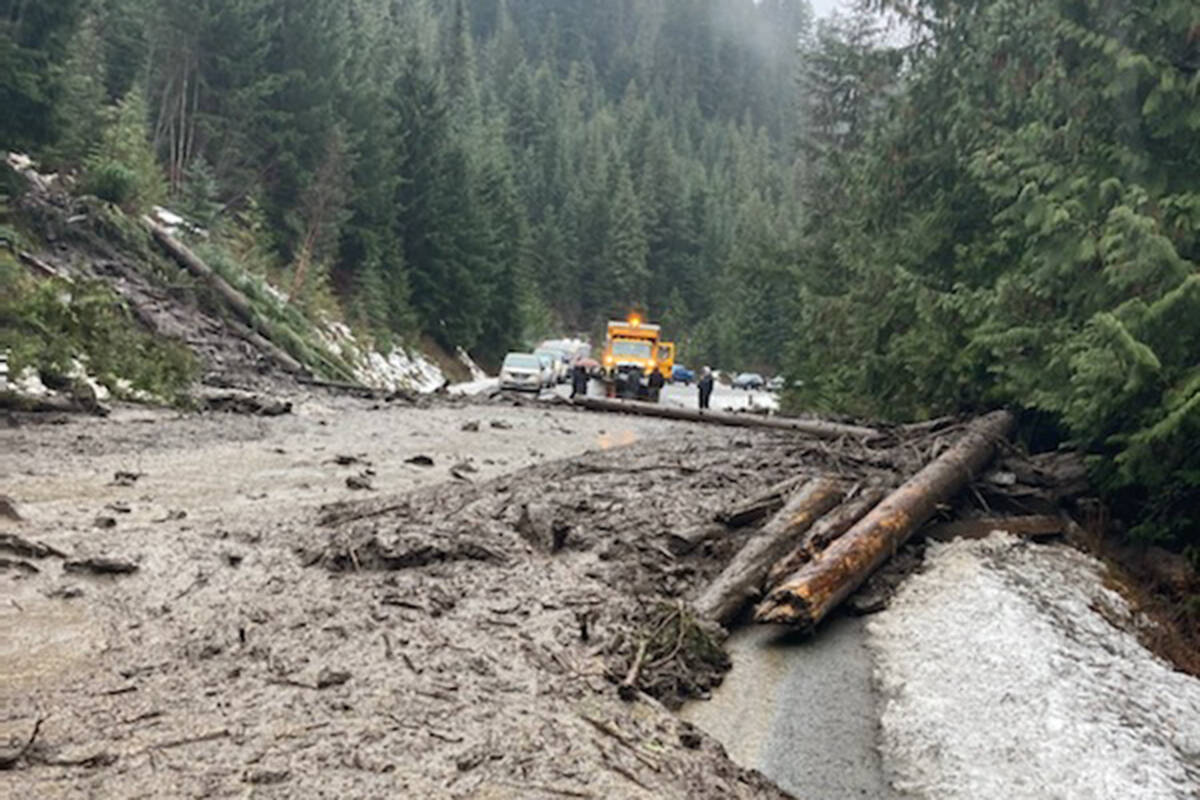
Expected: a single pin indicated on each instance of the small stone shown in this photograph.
(332, 677)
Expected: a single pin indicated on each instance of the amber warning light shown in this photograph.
(635, 320)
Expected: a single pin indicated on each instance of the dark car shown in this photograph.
(681, 374)
(748, 381)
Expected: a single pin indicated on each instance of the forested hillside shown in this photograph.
(479, 171)
(1019, 184)
(995, 203)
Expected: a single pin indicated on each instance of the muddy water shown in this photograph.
(801, 711)
(43, 637)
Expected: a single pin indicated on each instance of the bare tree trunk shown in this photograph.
(827, 529)
(232, 297)
(805, 598)
(742, 580)
(811, 427)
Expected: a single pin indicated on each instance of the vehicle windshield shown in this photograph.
(521, 361)
(631, 349)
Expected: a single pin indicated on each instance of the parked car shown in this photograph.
(748, 381)
(549, 376)
(522, 372)
(777, 384)
(681, 374)
(556, 362)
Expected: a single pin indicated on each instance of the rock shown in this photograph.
(123, 478)
(105, 523)
(501, 425)
(471, 427)
(27, 549)
(266, 777)
(8, 509)
(101, 566)
(328, 678)
(689, 737)
(359, 483)
(419, 461)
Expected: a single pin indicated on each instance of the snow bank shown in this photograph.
(1002, 678)
(397, 369)
(477, 373)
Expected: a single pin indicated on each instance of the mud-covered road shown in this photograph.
(286, 635)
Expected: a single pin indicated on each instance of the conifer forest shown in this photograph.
(911, 208)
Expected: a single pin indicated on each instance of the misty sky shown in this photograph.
(823, 7)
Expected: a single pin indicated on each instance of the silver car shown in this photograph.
(522, 372)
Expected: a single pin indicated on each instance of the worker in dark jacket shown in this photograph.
(579, 379)
(655, 385)
(706, 387)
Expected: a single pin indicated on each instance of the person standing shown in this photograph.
(579, 379)
(656, 384)
(706, 388)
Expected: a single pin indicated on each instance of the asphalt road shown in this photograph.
(801, 711)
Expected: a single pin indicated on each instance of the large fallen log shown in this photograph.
(812, 427)
(741, 581)
(236, 301)
(826, 530)
(810, 593)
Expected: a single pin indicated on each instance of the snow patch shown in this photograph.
(29, 383)
(78, 372)
(402, 369)
(398, 369)
(1002, 677)
(477, 373)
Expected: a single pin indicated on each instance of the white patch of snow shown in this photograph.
(402, 370)
(481, 386)
(174, 222)
(477, 374)
(1002, 678)
(29, 383)
(79, 372)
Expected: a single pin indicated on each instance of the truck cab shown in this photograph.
(632, 350)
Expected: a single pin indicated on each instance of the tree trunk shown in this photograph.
(232, 297)
(809, 594)
(742, 580)
(827, 529)
(812, 427)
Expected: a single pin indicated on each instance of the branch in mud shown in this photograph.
(670, 654)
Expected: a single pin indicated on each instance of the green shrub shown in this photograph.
(112, 181)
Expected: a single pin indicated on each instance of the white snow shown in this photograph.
(477, 373)
(402, 369)
(397, 369)
(1002, 678)
(29, 383)
(79, 372)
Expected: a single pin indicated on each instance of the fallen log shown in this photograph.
(762, 505)
(811, 427)
(1032, 526)
(232, 297)
(742, 579)
(827, 529)
(810, 593)
(41, 267)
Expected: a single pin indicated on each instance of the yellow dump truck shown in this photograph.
(633, 352)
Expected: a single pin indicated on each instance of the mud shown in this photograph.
(285, 635)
